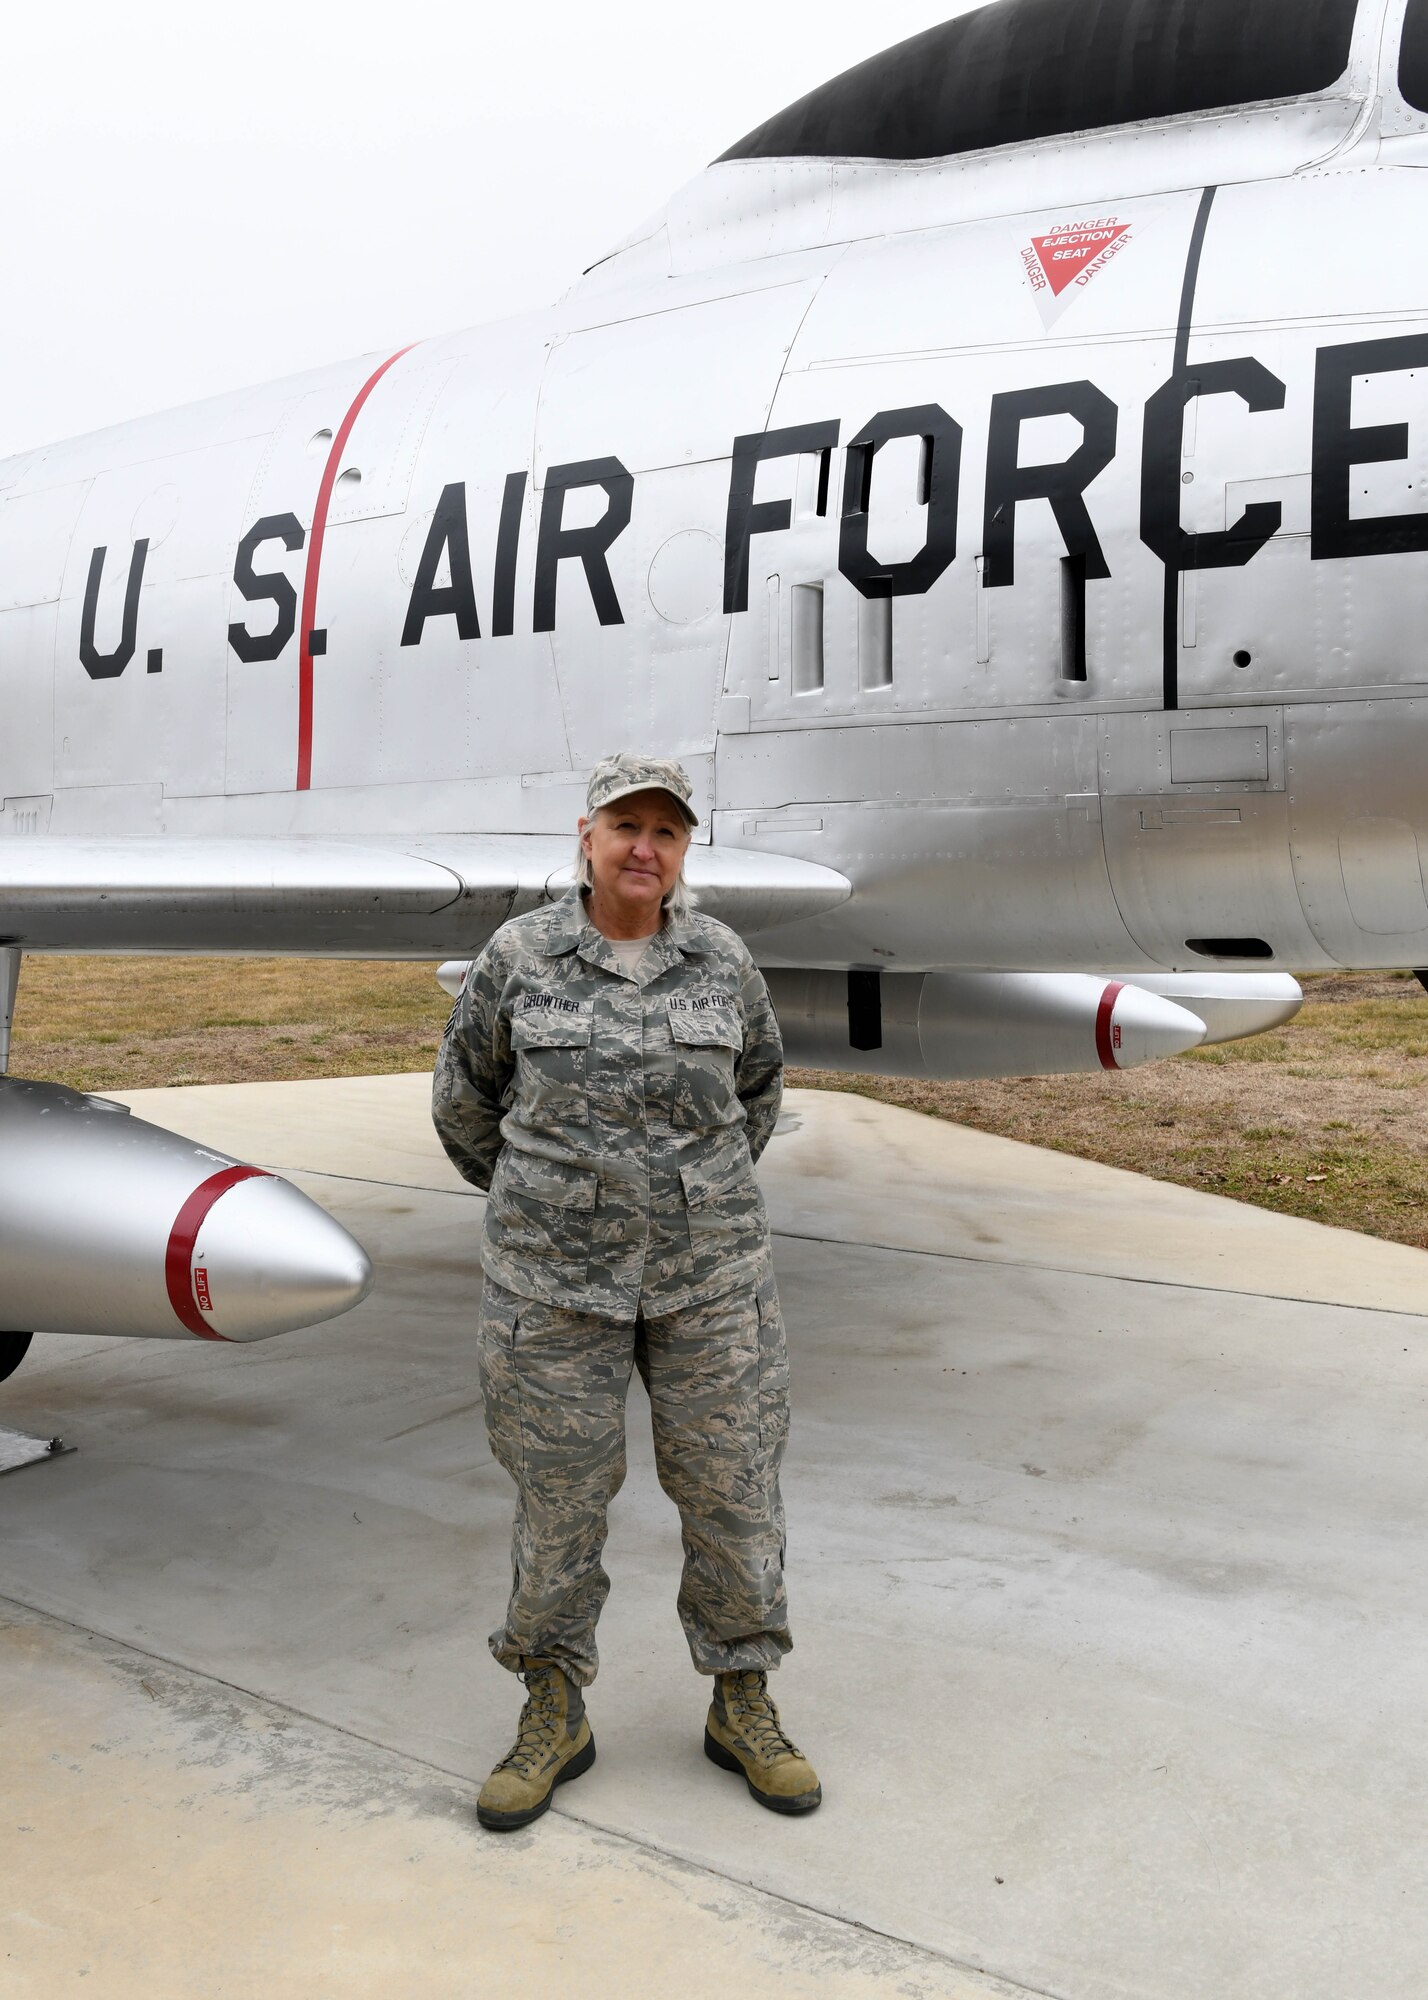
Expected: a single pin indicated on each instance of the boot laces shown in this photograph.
(538, 1727)
(752, 1710)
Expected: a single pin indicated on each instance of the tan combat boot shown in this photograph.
(553, 1745)
(743, 1733)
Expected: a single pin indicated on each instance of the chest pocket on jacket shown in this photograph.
(707, 1041)
(552, 1051)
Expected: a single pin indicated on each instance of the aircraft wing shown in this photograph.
(384, 898)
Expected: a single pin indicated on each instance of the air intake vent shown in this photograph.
(1229, 947)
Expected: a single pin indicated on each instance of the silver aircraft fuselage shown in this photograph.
(1025, 549)
(1038, 539)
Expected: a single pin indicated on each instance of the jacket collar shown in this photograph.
(568, 928)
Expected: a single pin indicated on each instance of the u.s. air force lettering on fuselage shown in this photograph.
(445, 582)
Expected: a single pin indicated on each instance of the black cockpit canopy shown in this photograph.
(1031, 69)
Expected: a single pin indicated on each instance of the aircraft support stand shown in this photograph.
(9, 986)
(17, 1448)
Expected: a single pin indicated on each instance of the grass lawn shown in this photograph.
(1327, 1118)
(123, 1023)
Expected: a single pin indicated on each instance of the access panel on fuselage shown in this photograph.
(638, 421)
(141, 625)
(986, 383)
(1305, 451)
(1299, 432)
(433, 674)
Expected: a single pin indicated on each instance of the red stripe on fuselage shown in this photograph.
(178, 1259)
(1104, 1048)
(314, 565)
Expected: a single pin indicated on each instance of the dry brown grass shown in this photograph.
(1327, 1118)
(125, 1023)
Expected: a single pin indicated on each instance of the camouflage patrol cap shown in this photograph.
(616, 777)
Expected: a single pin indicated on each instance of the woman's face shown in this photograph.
(636, 848)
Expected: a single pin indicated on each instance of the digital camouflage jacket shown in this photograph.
(613, 1120)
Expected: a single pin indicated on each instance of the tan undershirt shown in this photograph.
(630, 952)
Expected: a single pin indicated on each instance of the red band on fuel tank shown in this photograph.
(178, 1259)
(1105, 1047)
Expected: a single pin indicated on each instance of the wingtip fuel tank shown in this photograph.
(1233, 1005)
(977, 1024)
(110, 1225)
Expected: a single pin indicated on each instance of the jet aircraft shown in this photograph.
(1001, 478)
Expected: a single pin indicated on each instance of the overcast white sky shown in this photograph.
(199, 196)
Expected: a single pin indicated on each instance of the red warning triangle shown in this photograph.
(1064, 255)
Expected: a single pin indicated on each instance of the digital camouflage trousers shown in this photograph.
(555, 1383)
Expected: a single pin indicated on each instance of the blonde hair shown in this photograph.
(679, 902)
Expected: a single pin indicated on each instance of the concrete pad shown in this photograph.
(848, 1170)
(375, 1128)
(169, 1836)
(1107, 1591)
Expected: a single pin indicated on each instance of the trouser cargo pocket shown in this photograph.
(773, 1370)
(500, 1385)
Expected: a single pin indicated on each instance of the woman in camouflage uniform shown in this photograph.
(610, 1074)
